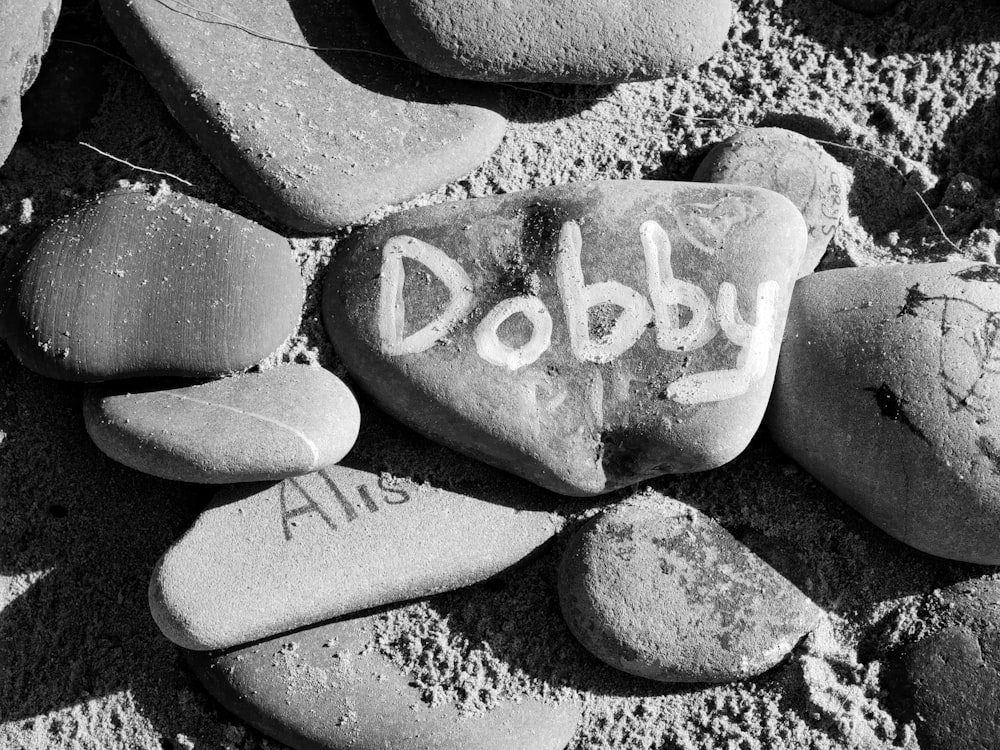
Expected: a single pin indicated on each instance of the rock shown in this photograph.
(25, 29)
(948, 684)
(67, 94)
(559, 40)
(317, 138)
(657, 589)
(888, 392)
(329, 688)
(868, 7)
(518, 329)
(790, 164)
(133, 284)
(248, 428)
(264, 560)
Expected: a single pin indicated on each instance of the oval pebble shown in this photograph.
(888, 391)
(657, 589)
(792, 165)
(135, 284)
(329, 688)
(253, 427)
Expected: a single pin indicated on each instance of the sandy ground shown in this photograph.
(907, 100)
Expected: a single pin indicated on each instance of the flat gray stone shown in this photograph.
(265, 560)
(657, 589)
(317, 138)
(328, 688)
(888, 392)
(565, 41)
(247, 428)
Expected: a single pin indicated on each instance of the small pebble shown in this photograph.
(888, 392)
(269, 425)
(133, 284)
(263, 560)
(790, 164)
(657, 589)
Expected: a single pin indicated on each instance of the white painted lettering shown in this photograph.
(494, 351)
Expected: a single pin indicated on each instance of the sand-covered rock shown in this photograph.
(584, 336)
(790, 164)
(656, 588)
(888, 392)
(317, 138)
(593, 41)
(265, 560)
(248, 428)
(135, 284)
(326, 688)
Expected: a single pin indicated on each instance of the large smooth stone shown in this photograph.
(329, 688)
(948, 683)
(568, 41)
(133, 284)
(247, 428)
(264, 560)
(657, 589)
(790, 164)
(316, 137)
(888, 392)
(586, 336)
(25, 29)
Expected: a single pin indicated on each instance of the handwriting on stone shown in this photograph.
(339, 505)
(668, 296)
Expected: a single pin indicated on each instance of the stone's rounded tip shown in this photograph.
(133, 284)
(655, 588)
(560, 41)
(886, 392)
(794, 166)
(182, 625)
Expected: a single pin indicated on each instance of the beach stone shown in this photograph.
(248, 428)
(657, 589)
(948, 684)
(329, 688)
(593, 41)
(790, 164)
(317, 138)
(135, 284)
(888, 391)
(25, 30)
(265, 560)
(586, 336)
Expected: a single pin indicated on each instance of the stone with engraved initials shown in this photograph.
(584, 336)
(248, 428)
(888, 392)
(790, 164)
(329, 688)
(262, 561)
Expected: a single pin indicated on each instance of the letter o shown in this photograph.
(494, 351)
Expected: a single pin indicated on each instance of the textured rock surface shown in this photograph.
(316, 138)
(265, 560)
(948, 684)
(658, 589)
(586, 336)
(867, 6)
(327, 688)
(133, 284)
(25, 29)
(888, 391)
(269, 425)
(588, 41)
(790, 164)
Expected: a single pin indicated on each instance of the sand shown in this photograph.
(905, 100)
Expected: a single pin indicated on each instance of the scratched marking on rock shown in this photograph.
(336, 505)
(671, 300)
